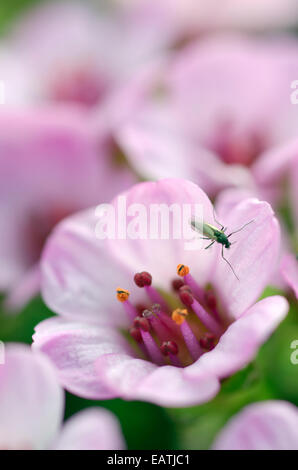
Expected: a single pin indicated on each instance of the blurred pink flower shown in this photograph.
(219, 113)
(74, 51)
(190, 17)
(170, 361)
(52, 164)
(31, 409)
(273, 169)
(270, 425)
(212, 112)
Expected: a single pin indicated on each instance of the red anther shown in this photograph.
(185, 287)
(210, 299)
(140, 308)
(169, 347)
(136, 334)
(141, 322)
(177, 283)
(207, 341)
(186, 296)
(143, 279)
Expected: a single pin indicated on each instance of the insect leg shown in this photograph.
(210, 244)
(241, 228)
(222, 255)
(221, 225)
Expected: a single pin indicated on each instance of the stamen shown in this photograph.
(152, 348)
(183, 271)
(160, 329)
(205, 318)
(208, 341)
(123, 297)
(179, 317)
(144, 279)
(186, 296)
(164, 318)
(155, 297)
(176, 284)
(122, 294)
(140, 308)
(136, 334)
(142, 323)
(170, 348)
(211, 302)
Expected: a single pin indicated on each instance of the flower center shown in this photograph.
(180, 336)
(237, 148)
(80, 85)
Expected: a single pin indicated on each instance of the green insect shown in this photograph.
(210, 232)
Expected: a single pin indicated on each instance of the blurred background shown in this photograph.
(117, 41)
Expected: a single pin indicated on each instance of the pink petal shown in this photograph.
(73, 348)
(289, 270)
(272, 164)
(31, 401)
(78, 276)
(91, 429)
(243, 99)
(161, 256)
(136, 379)
(270, 425)
(169, 386)
(240, 343)
(157, 147)
(51, 164)
(254, 257)
(25, 290)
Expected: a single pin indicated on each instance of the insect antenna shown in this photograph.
(222, 255)
(241, 228)
(221, 225)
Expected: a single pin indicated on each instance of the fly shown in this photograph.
(216, 235)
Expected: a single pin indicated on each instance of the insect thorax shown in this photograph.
(222, 238)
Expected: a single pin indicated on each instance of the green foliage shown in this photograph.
(19, 326)
(145, 426)
(9, 10)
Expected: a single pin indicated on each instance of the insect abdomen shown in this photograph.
(209, 231)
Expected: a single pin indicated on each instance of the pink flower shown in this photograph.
(74, 51)
(188, 18)
(270, 425)
(31, 409)
(173, 359)
(218, 122)
(52, 164)
(214, 111)
(279, 165)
